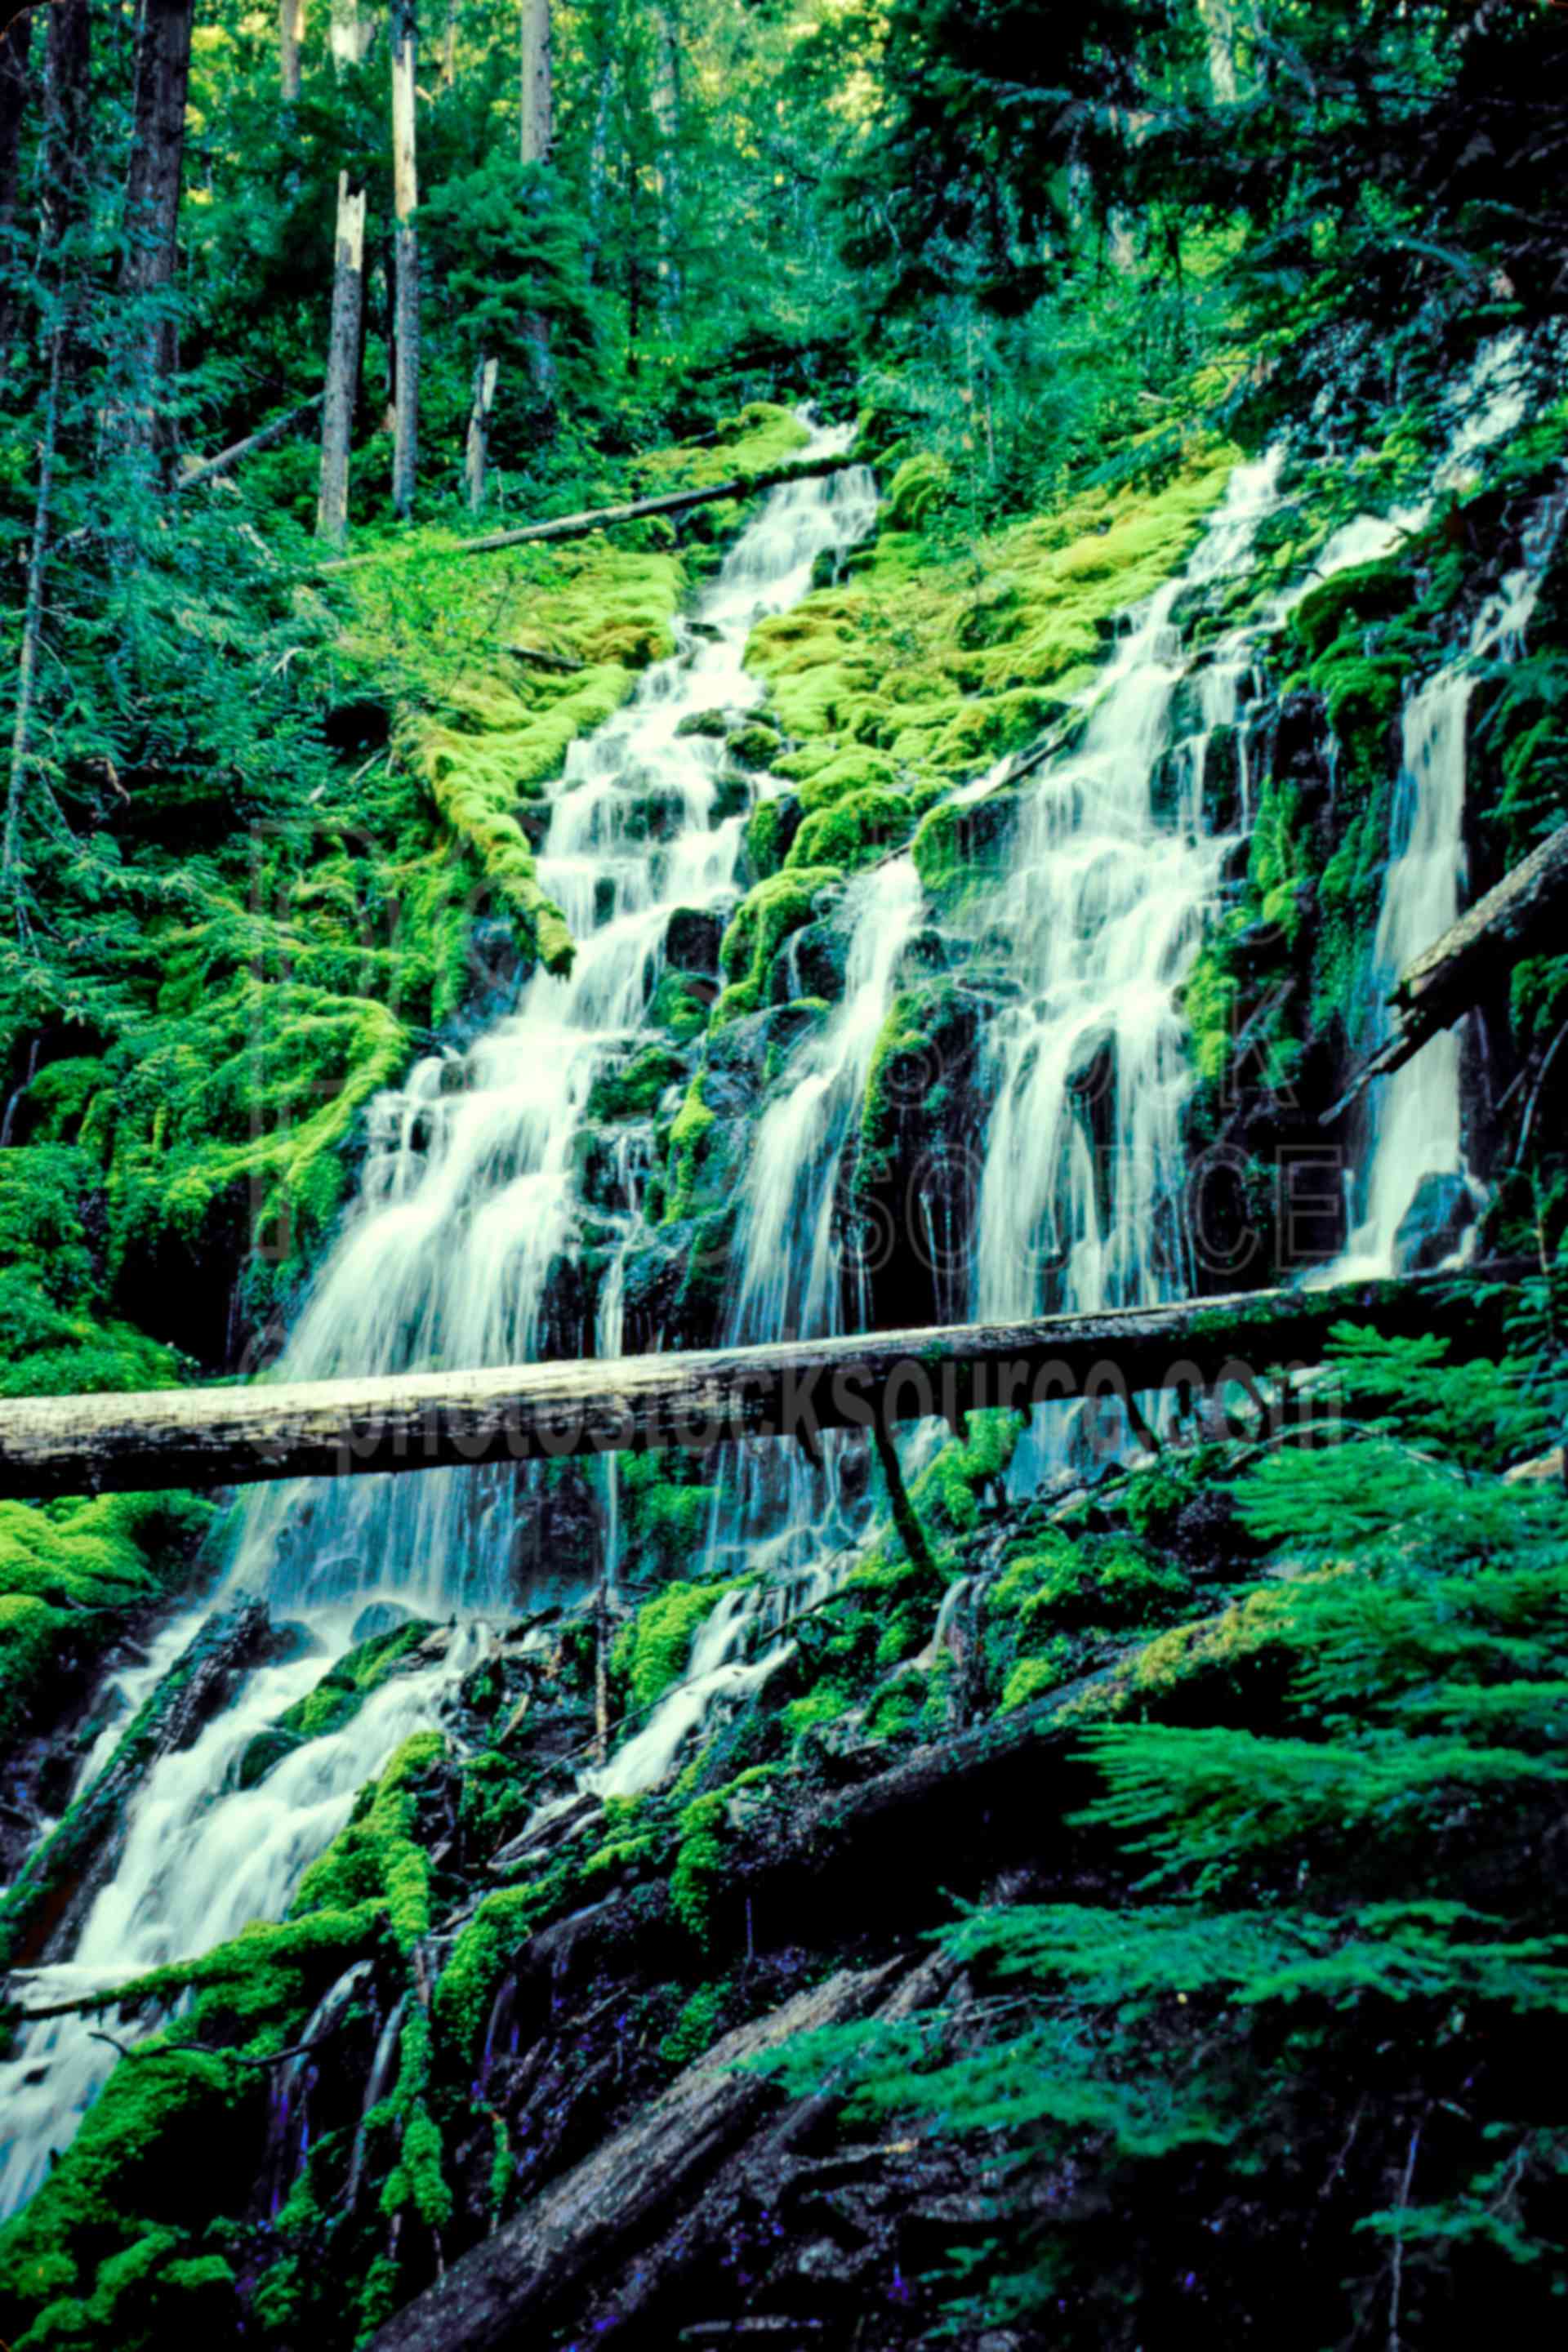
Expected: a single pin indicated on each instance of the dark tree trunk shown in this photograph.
(16, 87)
(63, 183)
(153, 211)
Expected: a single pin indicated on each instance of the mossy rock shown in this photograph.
(756, 745)
(810, 963)
(267, 1748)
(681, 1003)
(762, 922)
(917, 490)
(637, 1089)
(963, 845)
(711, 724)
(771, 833)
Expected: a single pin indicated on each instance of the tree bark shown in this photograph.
(477, 450)
(405, 198)
(152, 216)
(63, 183)
(226, 1436)
(585, 2224)
(1454, 971)
(290, 33)
(579, 526)
(537, 109)
(342, 365)
(536, 136)
(667, 115)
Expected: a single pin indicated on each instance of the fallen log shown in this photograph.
(263, 439)
(579, 526)
(209, 1437)
(1445, 981)
(588, 2224)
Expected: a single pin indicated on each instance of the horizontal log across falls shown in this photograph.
(237, 1435)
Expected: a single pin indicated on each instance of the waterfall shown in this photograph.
(469, 1205)
(467, 1210)
(1415, 1189)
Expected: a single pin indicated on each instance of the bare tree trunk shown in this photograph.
(405, 198)
(342, 365)
(32, 621)
(599, 165)
(1219, 26)
(153, 211)
(667, 115)
(538, 111)
(538, 136)
(477, 453)
(291, 32)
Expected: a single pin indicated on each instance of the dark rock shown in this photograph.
(811, 963)
(267, 1748)
(381, 1617)
(1434, 1223)
(1222, 791)
(691, 940)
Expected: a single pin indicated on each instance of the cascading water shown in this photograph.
(466, 1212)
(1103, 909)
(1415, 1114)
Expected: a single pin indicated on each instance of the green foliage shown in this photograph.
(652, 1652)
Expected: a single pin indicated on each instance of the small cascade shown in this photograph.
(739, 1646)
(794, 1280)
(1413, 1167)
(1103, 909)
(204, 1858)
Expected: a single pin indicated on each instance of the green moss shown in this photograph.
(1030, 1677)
(635, 1091)
(758, 928)
(687, 1140)
(947, 1493)
(485, 1949)
(344, 1687)
(854, 831)
(697, 2027)
(700, 1865)
(917, 490)
(378, 1855)
(69, 1575)
(652, 1652)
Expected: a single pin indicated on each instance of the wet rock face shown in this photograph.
(692, 940)
(1434, 1223)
